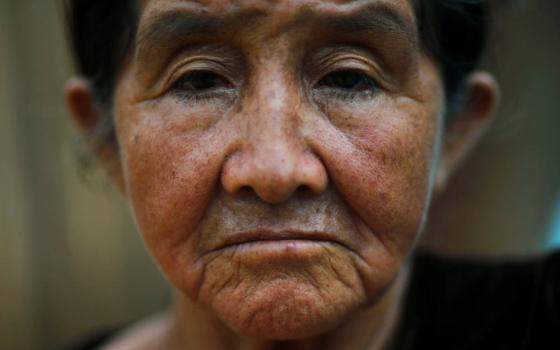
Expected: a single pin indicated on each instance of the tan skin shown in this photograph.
(280, 166)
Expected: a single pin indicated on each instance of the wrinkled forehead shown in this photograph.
(161, 19)
(286, 10)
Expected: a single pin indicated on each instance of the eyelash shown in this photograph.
(369, 87)
(217, 89)
(216, 85)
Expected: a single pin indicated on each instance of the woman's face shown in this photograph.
(279, 155)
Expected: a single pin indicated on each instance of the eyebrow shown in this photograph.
(375, 18)
(179, 24)
(176, 24)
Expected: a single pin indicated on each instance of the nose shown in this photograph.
(273, 173)
(274, 161)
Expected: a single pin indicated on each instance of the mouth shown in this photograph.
(291, 240)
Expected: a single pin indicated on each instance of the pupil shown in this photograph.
(203, 80)
(347, 80)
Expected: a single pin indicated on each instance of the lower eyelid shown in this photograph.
(208, 96)
(339, 94)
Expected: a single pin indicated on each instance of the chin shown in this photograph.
(287, 309)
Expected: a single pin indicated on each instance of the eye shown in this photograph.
(199, 82)
(348, 81)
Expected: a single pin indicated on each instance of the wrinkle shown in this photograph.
(337, 273)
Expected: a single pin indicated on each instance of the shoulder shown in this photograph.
(93, 340)
(477, 303)
(144, 335)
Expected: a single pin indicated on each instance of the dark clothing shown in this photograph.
(464, 304)
(460, 304)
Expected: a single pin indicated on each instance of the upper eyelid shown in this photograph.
(368, 71)
(195, 95)
(367, 76)
(374, 80)
(233, 71)
(190, 73)
(201, 63)
(204, 95)
(349, 56)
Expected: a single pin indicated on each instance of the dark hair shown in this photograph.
(102, 32)
(455, 33)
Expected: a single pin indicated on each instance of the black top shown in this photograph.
(464, 304)
(460, 304)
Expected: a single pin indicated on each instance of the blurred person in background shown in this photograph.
(280, 159)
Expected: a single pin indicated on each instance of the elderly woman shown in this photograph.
(280, 157)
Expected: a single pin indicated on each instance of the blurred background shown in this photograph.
(71, 260)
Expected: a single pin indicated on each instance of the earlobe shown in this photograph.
(467, 125)
(87, 116)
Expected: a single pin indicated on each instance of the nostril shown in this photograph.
(274, 176)
(245, 191)
(305, 191)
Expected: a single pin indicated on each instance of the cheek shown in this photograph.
(380, 159)
(172, 162)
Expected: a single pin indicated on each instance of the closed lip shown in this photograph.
(239, 238)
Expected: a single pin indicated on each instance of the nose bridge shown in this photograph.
(273, 121)
(274, 147)
(274, 160)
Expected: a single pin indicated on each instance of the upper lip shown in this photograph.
(271, 235)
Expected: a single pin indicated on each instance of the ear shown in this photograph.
(88, 117)
(467, 125)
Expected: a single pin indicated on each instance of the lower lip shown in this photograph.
(287, 247)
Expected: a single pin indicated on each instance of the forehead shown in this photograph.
(161, 19)
(278, 8)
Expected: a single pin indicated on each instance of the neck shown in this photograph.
(188, 326)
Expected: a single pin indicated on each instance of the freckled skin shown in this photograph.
(276, 153)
